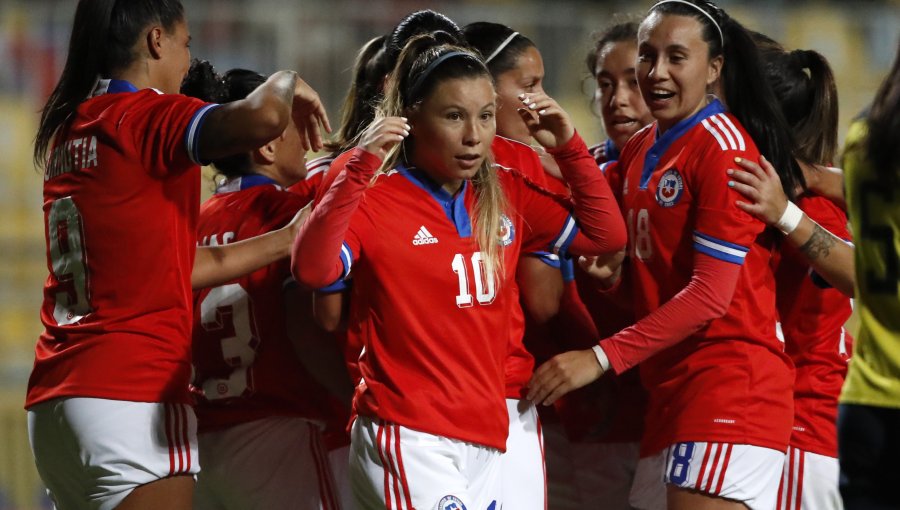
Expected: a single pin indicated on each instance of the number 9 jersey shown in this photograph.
(121, 199)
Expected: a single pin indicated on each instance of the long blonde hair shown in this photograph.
(408, 85)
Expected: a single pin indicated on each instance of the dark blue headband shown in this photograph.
(432, 66)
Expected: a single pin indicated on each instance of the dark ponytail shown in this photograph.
(882, 144)
(203, 83)
(104, 34)
(804, 85)
(743, 81)
(487, 37)
(419, 23)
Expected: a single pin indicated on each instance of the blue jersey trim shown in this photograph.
(192, 133)
(560, 245)
(662, 144)
(612, 152)
(245, 182)
(119, 86)
(454, 206)
(719, 249)
(338, 286)
(567, 268)
(346, 260)
(547, 258)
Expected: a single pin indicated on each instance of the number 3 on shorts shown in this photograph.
(67, 255)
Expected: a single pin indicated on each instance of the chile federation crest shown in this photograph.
(670, 188)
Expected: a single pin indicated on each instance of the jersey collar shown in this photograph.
(453, 206)
(662, 144)
(245, 182)
(107, 86)
(610, 150)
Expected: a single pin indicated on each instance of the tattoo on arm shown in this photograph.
(819, 243)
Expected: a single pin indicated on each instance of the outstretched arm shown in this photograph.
(828, 255)
(215, 265)
(705, 298)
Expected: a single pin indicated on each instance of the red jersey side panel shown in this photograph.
(812, 320)
(121, 197)
(245, 364)
(731, 381)
(435, 327)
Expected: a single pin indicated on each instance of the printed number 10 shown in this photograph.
(484, 281)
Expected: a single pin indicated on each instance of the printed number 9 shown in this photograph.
(67, 255)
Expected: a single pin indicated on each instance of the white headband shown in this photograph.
(708, 15)
(504, 44)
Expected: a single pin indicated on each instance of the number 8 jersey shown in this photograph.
(730, 382)
(121, 199)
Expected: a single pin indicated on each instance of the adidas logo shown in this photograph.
(423, 236)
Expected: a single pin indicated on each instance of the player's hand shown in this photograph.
(563, 373)
(298, 220)
(383, 134)
(548, 123)
(309, 113)
(762, 186)
(605, 268)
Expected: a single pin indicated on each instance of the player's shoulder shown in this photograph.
(319, 165)
(721, 132)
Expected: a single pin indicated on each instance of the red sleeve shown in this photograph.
(705, 298)
(601, 228)
(721, 230)
(320, 244)
(165, 129)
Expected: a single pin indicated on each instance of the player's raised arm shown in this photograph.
(264, 114)
(316, 257)
(595, 206)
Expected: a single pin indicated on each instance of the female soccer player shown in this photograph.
(107, 400)
(869, 412)
(262, 375)
(720, 411)
(812, 313)
(433, 245)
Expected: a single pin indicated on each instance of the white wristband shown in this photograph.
(790, 219)
(601, 357)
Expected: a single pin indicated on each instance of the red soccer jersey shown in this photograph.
(435, 328)
(731, 381)
(508, 154)
(245, 364)
(316, 169)
(812, 320)
(121, 195)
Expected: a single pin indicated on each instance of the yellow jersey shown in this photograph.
(874, 208)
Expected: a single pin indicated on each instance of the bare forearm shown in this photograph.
(215, 265)
(828, 255)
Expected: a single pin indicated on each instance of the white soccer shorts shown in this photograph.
(745, 473)
(276, 462)
(810, 482)
(396, 468)
(522, 470)
(91, 453)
